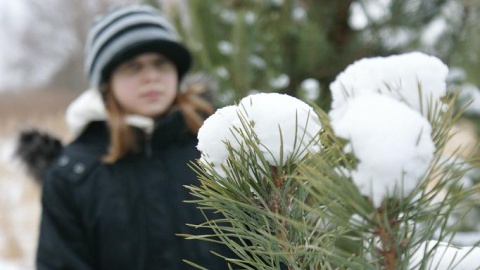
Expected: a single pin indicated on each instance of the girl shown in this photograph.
(114, 199)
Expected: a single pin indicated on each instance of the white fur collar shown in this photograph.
(89, 107)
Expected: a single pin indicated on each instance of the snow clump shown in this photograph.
(398, 76)
(283, 127)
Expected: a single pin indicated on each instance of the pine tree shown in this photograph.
(303, 189)
(276, 45)
(286, 46)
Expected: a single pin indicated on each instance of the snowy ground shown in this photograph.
(19, 205)
(19, 195)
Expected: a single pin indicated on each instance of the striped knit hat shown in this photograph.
(126, 32)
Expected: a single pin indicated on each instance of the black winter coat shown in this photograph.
(125, 215)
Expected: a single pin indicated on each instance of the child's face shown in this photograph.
(145, 85)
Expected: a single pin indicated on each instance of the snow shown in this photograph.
(280, 82)
(433, 31)
(311, 88)
(250, 17)
(358, 20)
(11, 266)
(284, 128)
(378, 10)
(215, 132)
(370, 10)
(21, 208)
(391, 141)
(228, 16)
(456, 75)
(442, 256)
(396, 37)
(257, 62)
(398, 76)
(466, 238)
(299, 13)
(470, 93)
(222, 72)
(277, 2)
(225, 47)
(378, 108)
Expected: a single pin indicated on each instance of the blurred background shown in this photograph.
(289, 46)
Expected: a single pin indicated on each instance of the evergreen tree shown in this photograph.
(282, 45)
(300, 46)
(366, 186)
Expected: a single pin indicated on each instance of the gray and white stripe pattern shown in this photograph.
(126, 28)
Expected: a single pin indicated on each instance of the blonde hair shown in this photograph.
(122, 138)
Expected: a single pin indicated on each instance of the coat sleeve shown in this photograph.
(63, 241)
